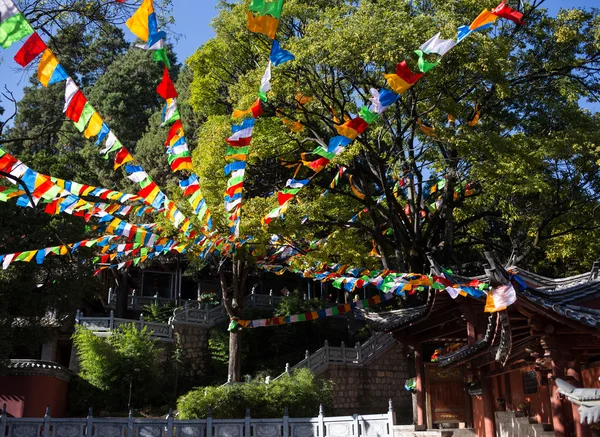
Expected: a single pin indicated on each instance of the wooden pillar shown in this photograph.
(558, 420)
(574, 377)
(508, 392)
(487, 394)
(420, 386)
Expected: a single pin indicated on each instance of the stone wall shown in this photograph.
(193, 340)
(368, 388)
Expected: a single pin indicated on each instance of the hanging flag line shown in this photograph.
(144, 25)
(158, 245)
(400, 82)
(42, 188)
(85, 190)
(266, 21)
(7, 193)
(338, 310)
(79, 110)
(40, 254)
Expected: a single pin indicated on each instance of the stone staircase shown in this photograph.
(509, 425)
(409, 431)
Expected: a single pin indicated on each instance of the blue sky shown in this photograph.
(192, 24)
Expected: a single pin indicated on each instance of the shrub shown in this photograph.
(301, 392)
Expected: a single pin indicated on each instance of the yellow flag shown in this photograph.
(47, 66)
(398, 84)
(138, 23)
(94, 126)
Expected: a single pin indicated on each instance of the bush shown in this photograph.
(158, 313)
(115, 365)
(301, 392)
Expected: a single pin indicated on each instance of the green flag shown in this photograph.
(367, 115)
(14, 29)
(424, 66)
(262, 7)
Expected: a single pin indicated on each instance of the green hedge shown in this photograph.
(301, 392)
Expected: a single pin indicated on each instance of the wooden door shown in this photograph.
(446, 395)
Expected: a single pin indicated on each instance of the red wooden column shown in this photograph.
(574, 377)
(487, 395)
(558, 420)
(420, 386)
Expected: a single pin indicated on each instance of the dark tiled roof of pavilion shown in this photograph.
(467, 351)
(395, 319)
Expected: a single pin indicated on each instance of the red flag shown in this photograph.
(504, 11)
(145, 192)
(30, 50)
(173, 131)
(358, 124)
(76, 106)
(406, 73)
(166, 89)
(318, 164)
(122, 157)
(231, 190)
(283, 198)
(256, 109)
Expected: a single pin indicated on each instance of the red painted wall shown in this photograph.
(540, 401)
(590, 376)
(28, 396)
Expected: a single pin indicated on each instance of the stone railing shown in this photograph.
(508, 424)
(374, 425)
(211, 316)
(103, 325)
(359, 355)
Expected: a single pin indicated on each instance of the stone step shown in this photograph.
(409, 431)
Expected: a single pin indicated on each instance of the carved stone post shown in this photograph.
(89, 426)
(321, 421)
(47, 422)
(286, 422)
(170, 423)
(247, 428)
(209, 425)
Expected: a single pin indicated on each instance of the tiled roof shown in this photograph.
(467, 350)
(387, 321)
(38, 368)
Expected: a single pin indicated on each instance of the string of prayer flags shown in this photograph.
(33, 47)
(13, 25)
(40, 254)
(144, 24)
(399, 82)
(278, 55)
(311, 315)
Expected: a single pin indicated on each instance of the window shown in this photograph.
(530, 382)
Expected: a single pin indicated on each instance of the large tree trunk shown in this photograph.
(235, 355)
(233, 295)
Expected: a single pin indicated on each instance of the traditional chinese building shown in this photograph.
(489, 364)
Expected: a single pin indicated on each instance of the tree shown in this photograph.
(516, 170)
(127, 358)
